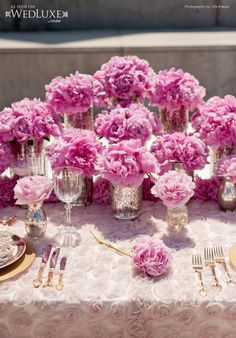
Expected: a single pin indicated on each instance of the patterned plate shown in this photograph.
(12, 247)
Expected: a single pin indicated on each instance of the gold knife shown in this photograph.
(60, 283)
(45, 256)
(53, 263)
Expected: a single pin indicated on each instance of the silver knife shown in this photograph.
(46, 253)
(53, 263)
(60, 283)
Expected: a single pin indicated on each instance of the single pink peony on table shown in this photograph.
(71, 94)
(207, 189)
(151, 257)
(174, 188)
(173, 90)
(125, 163)
(226, 166)
(33, 189)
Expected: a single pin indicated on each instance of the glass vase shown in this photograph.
(36, 221)
(177, 218)
(80, 120)
(227, 195)
(22, 152)
(175, 122)
(217, 154)
(125, 202)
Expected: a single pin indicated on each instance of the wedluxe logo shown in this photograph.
(31, 12)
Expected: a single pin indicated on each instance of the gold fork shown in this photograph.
(198, 267)
(210, 261)
(220, 258)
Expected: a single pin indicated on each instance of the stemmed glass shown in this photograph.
(67, 186)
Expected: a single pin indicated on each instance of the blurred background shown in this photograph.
(41, 39)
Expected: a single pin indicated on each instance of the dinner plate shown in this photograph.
(12, 247)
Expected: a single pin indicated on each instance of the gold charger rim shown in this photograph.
(20, 265)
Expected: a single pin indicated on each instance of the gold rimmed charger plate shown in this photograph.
(20, 247)
(20, 265)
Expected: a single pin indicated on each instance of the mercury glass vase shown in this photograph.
(175, 122)
(125, 202)
(80, 120)
(227, 195)
(177, 218)
(217, 154)
(35, 221)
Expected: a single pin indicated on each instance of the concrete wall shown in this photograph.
(126, 14)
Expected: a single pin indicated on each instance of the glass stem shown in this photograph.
(68, 207)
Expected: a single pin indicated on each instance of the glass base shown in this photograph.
(68, 236)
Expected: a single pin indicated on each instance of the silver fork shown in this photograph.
(220, 258)
(210, 261)
(198, 267)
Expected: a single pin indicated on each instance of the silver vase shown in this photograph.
(79, 120)
(125, 202)
(227, 195)
(177, 218)
(176, 122)
(35, 221)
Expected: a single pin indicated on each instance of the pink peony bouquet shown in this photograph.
(101, 191)
(173, 90)
(7, 186)
(71, 94)
(27, 120)
(5, 156)
(216, 121)
(76, 148)
(123, 79)
(133, 122)
(226, 166)
(174, 188)
(178, 147)
(151, 257)
(207, 189)
(33, 189)
(125, 163)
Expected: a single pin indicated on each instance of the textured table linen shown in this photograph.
(104, 298)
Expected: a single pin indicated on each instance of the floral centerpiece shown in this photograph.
(125, 164)
(132, 122)
(227, 167)
(175, 93)
(79, 149)
(123, 79)
(188, 150)
(33, 190)
(72, 96)
(26, 125)
(216, 124)
(175, 188)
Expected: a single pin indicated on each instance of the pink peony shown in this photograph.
(33, 189)
(101, 191)
(193, 153)
(5, 156)
(226, 166)
(173, 89)
(174, 188)
(207, 189)
(122, 79)
(132, 122)
(71, 94)
(76, 148)
(146, 188)
(124, 163)
(7, 191)
(151, 257)
(28, 120)
(216, 121)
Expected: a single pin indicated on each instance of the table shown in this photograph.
(103, 298)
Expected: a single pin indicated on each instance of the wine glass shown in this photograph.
(67, 186)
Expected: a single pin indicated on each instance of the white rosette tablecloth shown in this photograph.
(103, 298)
